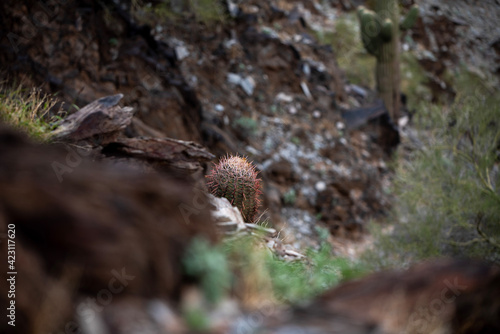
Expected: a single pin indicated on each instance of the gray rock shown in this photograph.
(233, 78)
(181, 52)
(248, 85)
(227, 217)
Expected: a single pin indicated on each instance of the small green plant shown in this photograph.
(244, 266)
(290, 197)
(295, 140)
(113, 41)
(236, 179)
(27, 110)
(322, 232)
(196, 320)
(287, 281)
(247, 124)
(209, 265)
(207, 12)
(298, 280)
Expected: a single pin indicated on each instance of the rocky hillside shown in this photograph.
(155, 92)
(252, 78)
(258, 84)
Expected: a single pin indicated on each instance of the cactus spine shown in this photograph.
(380, 36)
(236, 179)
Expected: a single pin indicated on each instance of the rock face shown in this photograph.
(451, 34)
(102, 232)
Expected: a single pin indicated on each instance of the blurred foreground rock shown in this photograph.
(443, 296)
(101, 233)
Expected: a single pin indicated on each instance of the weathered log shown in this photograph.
(179, 154)
(103, 117)
(99, 126)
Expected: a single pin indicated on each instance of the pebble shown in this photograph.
(248, 85)
(233, 78)
(320, 186)
(284, 97)
(219, 107)
(306, 90)
(181, 52)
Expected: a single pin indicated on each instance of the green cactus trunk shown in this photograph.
(387, 68)
(380, 36)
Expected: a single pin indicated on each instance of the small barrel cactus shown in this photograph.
(236, 179)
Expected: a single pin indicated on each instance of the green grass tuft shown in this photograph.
(28, 111)
(290, 197)
(246, 124)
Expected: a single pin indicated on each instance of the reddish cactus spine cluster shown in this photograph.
(236, 179)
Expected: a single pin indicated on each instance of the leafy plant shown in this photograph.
(298, 280)
(290, 197)
(247, 124)
(247, 257)
(448, 192)
(243, 265)
(208, 263)
(196, 320)
(295, 140)
(290, 281)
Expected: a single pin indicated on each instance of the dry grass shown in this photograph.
(27, 110)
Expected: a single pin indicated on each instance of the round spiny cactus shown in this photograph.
(236, 179)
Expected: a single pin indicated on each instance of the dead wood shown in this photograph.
(103, 117)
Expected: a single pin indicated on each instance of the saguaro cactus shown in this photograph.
(380, 36)
(236, 179)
